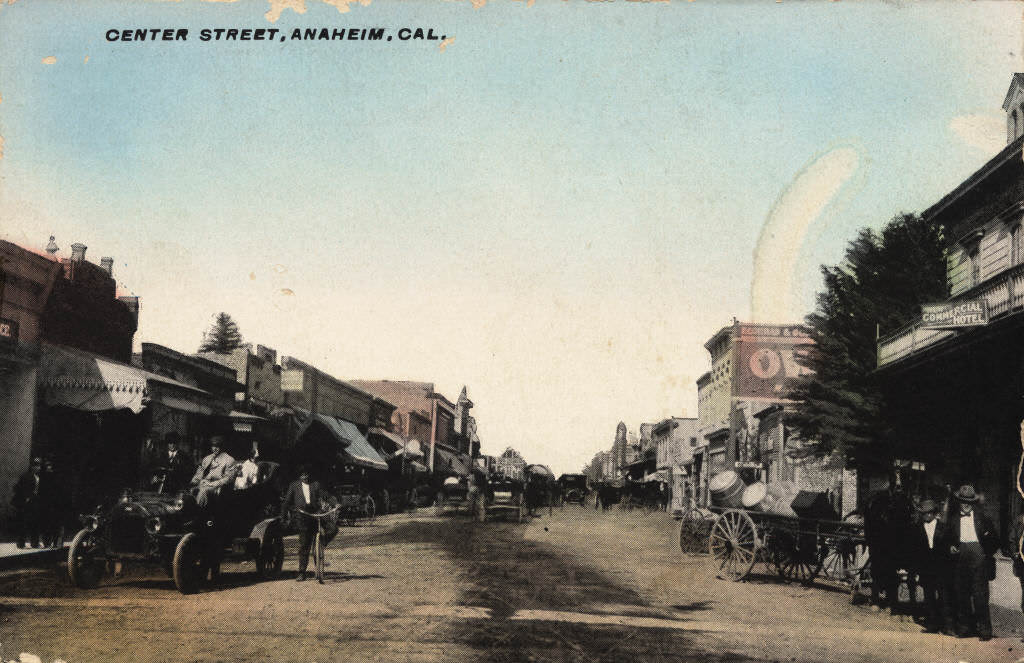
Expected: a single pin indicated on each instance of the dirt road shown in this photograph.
(576, 586)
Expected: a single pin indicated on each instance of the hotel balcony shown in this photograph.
(1004, 293)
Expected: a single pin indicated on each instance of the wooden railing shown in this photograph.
(1004, 293)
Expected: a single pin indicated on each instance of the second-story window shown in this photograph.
(975, 266)
(1015, 246)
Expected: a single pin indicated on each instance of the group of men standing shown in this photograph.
(39, 506)
(951, 553)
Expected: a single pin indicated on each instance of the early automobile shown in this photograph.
(187, 540)
(574, 487)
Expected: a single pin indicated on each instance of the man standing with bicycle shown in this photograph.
(303, 496)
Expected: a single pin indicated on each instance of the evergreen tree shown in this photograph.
(883, 281)
(222, 336)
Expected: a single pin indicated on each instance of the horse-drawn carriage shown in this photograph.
(573, 488)
(355, 504)
(795, 534)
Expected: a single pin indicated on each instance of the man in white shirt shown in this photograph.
(303, 495)
(972, 543)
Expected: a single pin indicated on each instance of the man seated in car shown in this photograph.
(216, 472)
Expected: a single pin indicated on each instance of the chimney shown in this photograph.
(108, 265)
(78, 252)
(52, 247)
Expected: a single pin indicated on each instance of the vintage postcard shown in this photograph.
(511, 330)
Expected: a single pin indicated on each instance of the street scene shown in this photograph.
(578, 585)
(511, 331)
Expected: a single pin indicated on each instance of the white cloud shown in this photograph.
(774, 289)
(984, 131)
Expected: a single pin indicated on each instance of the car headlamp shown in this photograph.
(154, 525)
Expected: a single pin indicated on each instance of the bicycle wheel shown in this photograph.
(318, 557)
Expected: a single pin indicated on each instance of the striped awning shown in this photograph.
(85, 381)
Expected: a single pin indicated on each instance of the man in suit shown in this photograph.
(933, 568)
(171, 471)
(304, 495)
(216, 471)
(28, 501)
(972, 541)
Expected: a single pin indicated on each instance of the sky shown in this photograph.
(556, 206)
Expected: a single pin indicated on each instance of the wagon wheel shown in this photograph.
(733, 544)
(693, 532)
(85, 567)
(838, 558)
(795, 557)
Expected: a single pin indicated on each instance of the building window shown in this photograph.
(975, 266)
(1015, 247)
(693, 442)
(1013, 117)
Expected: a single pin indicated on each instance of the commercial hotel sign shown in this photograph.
(969, 313)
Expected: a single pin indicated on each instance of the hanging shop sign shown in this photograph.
(953, 315)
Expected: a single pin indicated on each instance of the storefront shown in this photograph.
(99, 420)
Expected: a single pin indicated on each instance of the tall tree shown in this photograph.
(883, 281)
(222, 336)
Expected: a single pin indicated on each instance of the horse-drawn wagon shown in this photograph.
(795, 534)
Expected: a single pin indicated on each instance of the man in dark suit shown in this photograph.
(933, 568)
(27, 502)
(172, 469)
(303, 495)
(972, 541)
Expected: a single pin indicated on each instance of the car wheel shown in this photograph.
(189, 565)
(270, 559)
(85, 568)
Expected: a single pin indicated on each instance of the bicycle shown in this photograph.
(319, 542)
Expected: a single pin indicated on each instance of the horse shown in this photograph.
(888, 521)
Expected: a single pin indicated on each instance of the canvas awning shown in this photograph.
(660, 475)
(359, 451)
(400, 446)
(446, 461)
(355, 448)
(85, 381)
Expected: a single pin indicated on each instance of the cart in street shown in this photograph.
(799, 539)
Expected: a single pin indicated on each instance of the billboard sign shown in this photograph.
(954, 315)
(766, 361)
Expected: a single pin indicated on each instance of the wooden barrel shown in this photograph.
(781, 495)
(755, 497)
(726, 490)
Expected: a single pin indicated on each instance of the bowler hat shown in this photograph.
(927, 506)
(966, 494)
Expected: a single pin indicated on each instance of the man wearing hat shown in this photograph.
(933, 569)
(215, 472)
(972, 542)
